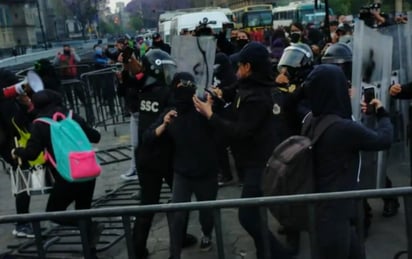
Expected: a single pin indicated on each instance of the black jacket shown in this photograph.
(252, 133)
(337, 150)
(157, 155)
(195, 153)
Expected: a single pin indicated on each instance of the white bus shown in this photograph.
(303, 12)
(190, 21)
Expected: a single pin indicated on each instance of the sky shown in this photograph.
(112, 3)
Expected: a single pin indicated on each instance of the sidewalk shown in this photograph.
(386, 236)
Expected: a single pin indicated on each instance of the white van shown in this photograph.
(190, 21)
(164, 31)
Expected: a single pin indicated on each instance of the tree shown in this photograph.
(109, 27)
(136, 21)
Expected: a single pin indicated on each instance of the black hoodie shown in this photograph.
(337, 150)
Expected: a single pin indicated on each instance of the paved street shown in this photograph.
(387, 236)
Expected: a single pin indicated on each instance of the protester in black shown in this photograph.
(195, 160)
(337, 159)
(47, 102)
(154, 159)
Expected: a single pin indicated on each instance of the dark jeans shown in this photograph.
(250, 219)
(22, 204)
(151, 186)
(338, 239)
(183, 188)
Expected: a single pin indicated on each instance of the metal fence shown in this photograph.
(93, 93)
(127, 212)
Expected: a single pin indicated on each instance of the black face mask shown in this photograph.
(183, 98)
(295, 37)
(241, 43)
(157, 43)
(66, 52)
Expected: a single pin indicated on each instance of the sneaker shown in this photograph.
(23, 230)
(129, 176)
(225, 181)
(205, 243)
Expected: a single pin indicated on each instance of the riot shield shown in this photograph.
(371, 69)
(195, 55)
(399, 109)
(408, 33)
(372, 65)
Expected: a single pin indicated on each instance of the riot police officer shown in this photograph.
(294, 65)
(290, 106)
(339, 54)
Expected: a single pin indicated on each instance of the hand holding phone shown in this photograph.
(369, 95)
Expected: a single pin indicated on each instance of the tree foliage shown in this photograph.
(135, 21)
(109, 27)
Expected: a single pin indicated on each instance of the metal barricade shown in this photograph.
(127, 212)
(107, 107)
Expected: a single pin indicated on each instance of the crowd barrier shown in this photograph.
(127, 212)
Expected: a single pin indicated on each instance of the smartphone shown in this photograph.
(127, 53)
(368, 96)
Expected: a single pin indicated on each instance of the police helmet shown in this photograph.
(297, 55)
(159, 66)
(337, 53)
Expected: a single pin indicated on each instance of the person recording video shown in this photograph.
(373, 17)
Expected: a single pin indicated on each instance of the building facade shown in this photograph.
(6, 29)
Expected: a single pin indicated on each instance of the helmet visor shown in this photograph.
(294, 56)
(291, 58)
(169, 72)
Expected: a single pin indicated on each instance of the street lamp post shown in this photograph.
(41, 24)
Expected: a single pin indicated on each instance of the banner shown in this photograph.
(195, 55)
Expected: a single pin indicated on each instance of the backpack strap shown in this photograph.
(322, 125)
(58, 115)
(314, 128)
(47, 155)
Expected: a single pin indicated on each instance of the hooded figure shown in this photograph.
(327, 89)
(336, 163)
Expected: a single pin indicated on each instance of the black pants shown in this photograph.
(250, 219)
(338, 239)
(183, 188)
(64, 193)
(223, 159)
(151, 186)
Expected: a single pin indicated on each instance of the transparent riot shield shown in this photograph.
(195, 55)
(372, 67)
(399, 109)
(408, 33)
